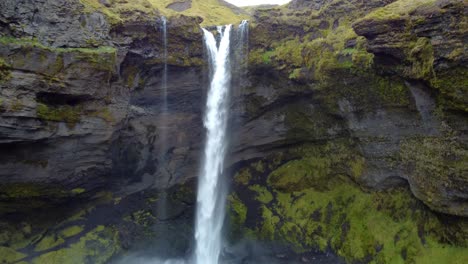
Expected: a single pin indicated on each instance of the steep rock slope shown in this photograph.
(362, 90)
(81, 129)
(345, 104)
(351, 139)
(81, 102)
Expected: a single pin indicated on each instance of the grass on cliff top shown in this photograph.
(212, 11)
(34, 43)
(398, 9)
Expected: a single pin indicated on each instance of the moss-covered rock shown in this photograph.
(95, 246)
(312, 202)
(4, 70)
(9, 255)
(70, 115)
(438, 171)
(421, 40)
(120, 12)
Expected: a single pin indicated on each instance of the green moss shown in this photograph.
(142, 217)
(300, 174)
(16, 105)
(421, 56)
(355, 224)
(318, 58)
(295, 74)
(18, 191)
(100, 58)
(238, 210)
(243, 176)
(437, 165)
(259, 166)
(311, 202)
(104, 114)
(78, 191)
(49, 242)
(5, 72)
(96, 246)
(263, 195)
(8, 255)
(212, 11)
(398, 10)
(434, 252)
(28, 42)
(392, 91)
(453, 86)
(317, 167)
(71, 231)
(268, 228)
(70, 115)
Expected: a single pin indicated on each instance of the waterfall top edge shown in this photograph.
(214, 27)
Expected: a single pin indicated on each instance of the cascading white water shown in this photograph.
(162, 201)
(164, 76)
(211, 197)
(244, 45)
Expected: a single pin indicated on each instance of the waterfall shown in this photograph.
(211, 196)
(164, 76)
(162, 199)
(244, 45)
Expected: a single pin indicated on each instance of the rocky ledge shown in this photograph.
(349, 129)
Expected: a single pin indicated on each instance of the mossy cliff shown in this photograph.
(307, 198)
(378, 78)
(99, 230)
(349, 128)
(406, 36)
(80, 129)
(366, 150)
(82, 81)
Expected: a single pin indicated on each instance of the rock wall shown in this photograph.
(348, 111)
(318, 80)
(81, 102)
(359, 143)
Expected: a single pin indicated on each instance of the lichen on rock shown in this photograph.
(331, 211)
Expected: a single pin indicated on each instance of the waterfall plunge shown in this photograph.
(211, 197)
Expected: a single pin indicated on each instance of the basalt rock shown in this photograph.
(400, 98)
(335, 100)
(77, 119)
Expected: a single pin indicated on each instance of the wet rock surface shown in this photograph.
(80, 113)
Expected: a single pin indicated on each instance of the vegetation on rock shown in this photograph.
(438, 165)
(4, 70)
(400, 9)
(212, 11)
(70, 115)
(313, 203)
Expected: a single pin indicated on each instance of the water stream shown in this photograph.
(164, 75)
(211, 196)
(162, 199)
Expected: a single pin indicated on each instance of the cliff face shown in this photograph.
(388, 92)
(76, 117)
(81, 128)
(355, 101)
(348, 110)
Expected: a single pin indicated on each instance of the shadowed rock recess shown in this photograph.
(348, 131)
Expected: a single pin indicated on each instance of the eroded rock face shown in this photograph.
(62, 23)
(386, 109)
(315, 114)
(180, 6)
(307, 4)
(427, 45)
(80, 120)
(88, 118)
